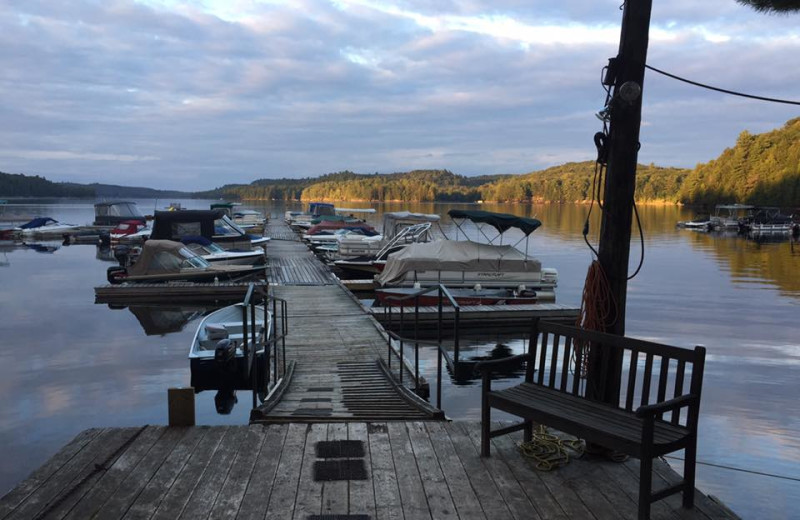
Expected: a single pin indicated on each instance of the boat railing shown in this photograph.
(264, 370)
(401, 341)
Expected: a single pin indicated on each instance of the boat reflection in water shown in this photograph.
(159, 320)
(463, 372)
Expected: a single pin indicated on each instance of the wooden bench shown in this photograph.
(652, 413)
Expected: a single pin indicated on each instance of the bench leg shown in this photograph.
(645, 487)
(527, 432)
(689, 461)
(486, 423)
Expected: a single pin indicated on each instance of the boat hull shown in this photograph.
(463, 296)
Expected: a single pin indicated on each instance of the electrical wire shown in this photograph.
(725, 91)
(732, 468)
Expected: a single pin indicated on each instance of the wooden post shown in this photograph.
(181, 406)
(620, 182)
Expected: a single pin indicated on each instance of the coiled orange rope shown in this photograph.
(597, 306)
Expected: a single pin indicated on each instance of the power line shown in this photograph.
(753, 472)
(761, 98)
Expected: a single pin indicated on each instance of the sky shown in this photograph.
(192, 95)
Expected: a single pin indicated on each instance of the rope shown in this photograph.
(597, 307)
(548, 451)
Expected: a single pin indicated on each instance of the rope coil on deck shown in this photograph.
(549, 451)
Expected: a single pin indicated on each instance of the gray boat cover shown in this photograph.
(161, 257)
(451, 255)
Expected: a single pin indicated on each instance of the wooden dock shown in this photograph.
(338, 351)
(171, 292)
(353, 471)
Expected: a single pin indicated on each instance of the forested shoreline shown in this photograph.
(760, 169)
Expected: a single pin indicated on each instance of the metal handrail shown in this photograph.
(441, 352)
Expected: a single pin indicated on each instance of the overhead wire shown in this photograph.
(723, 90)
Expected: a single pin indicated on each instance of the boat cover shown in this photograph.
(161, 256)
(451, 255)
(38, 222)
(502, 222)
(168, 225)
(327, 226)
(394, 221)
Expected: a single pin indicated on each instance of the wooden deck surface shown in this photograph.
(393, 470)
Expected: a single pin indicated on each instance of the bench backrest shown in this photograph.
(648, 372)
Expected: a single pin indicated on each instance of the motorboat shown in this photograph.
(371, 263)
(215, 255)
(767, 220)
(163, 261)
(474, 273)
(129, 229)
(115, 212)
(213, 225)
(45, 227)
(728, 216)
(249, 217)
(393, 224)
(222, 347)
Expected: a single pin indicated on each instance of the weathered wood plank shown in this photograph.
(412, 492)
(361, 492)
(210, 483)
(284, 491)
(440, 502)
(233, 490)
(388, 501)
(309, 493)
(113, 477)
(119, 502)
(16, 496)
(480, 479)
(335, 494)
(182, 487)
(511, 489)
(156, 489)
(260, 488)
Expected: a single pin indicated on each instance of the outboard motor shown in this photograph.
(104, 239)
(225, 355)
(122, 254)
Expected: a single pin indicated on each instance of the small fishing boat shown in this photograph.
(220, 347)
(166, 261)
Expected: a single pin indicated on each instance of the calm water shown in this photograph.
(67, 364)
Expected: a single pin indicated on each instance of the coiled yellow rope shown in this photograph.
(548, 451)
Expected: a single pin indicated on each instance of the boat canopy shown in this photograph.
(502, 222)
(195, 239)
(38, 222)
(451, 255)
(165, 256)
(395, 221)
(171, 225)
(321, 208)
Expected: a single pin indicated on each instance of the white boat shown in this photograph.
(394, 223)
(219, 345)
(215, 255)
(477, 273)
(249, 217)
(45, 227)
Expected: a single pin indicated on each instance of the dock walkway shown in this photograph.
(334, 345)
(382, 470)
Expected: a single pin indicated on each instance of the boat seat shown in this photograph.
(216, 332)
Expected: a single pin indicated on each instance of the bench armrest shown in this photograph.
(666, 406)
(502, 364)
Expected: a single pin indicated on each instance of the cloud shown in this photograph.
(192, 95)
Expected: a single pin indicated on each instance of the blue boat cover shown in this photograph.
(37, 222)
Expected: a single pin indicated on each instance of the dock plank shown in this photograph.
(262, 482)
(361, 493)
(440, 502)
(335, 494)
(156, 489)
(388, 500)
(284, 494)
(309, 495)
(412, 491)
(233, 490)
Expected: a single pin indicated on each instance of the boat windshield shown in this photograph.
(226, 227)
(191, 260)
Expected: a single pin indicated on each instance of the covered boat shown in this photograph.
(131, 230)
(114, 212)
(45, 227)
(474, 272)
(166, 261)
(213, 225)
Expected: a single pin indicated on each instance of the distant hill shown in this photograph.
(760, 169)
(19, 185)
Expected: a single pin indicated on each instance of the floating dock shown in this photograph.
(172, 292)
(353, 471)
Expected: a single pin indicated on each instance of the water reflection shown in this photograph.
(156, 320)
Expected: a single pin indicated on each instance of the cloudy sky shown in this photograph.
(195, 94)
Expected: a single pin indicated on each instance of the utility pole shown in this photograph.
(625, 109)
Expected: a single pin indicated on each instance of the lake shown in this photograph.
(67, 364)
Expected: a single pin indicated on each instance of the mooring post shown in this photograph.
(625, 110)
(181, 406)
